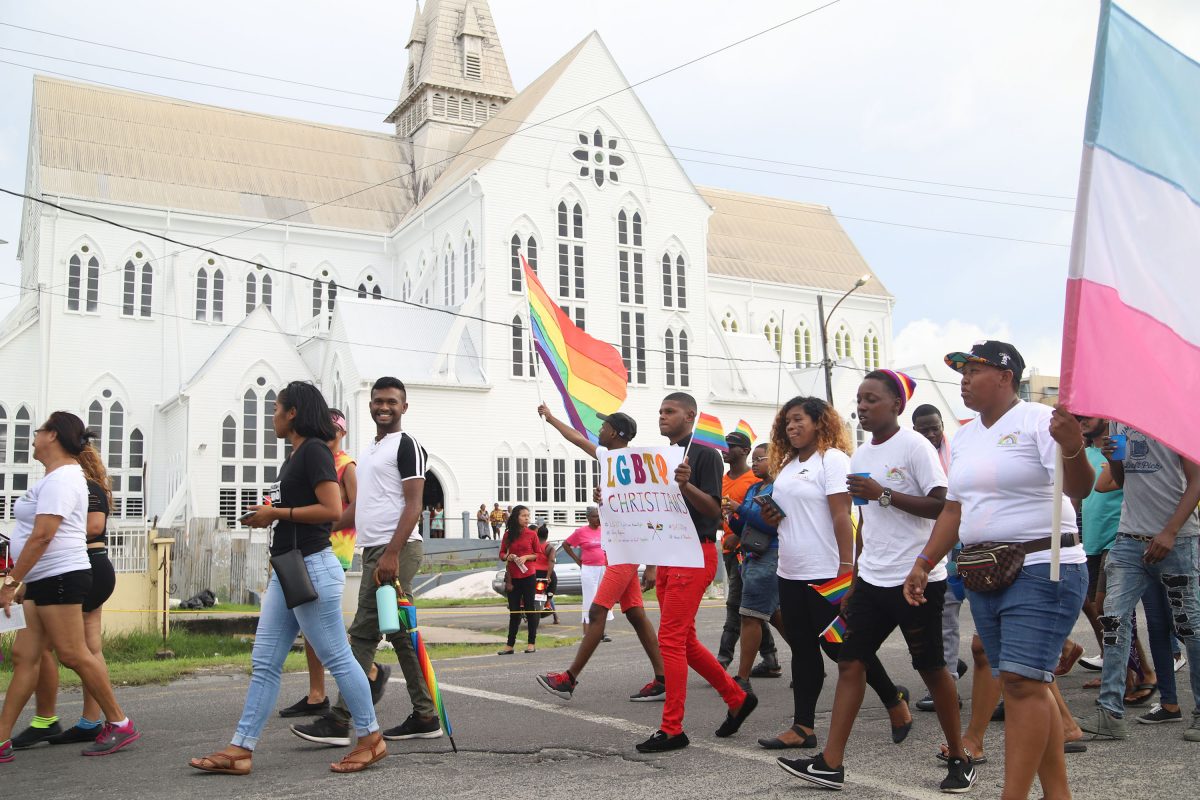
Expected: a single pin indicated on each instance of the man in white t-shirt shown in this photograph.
(899, 488)
(391, 482)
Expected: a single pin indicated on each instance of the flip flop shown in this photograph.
(1074, 747)
(1094, 683)
(981, 759)
(1067, 662)
(1150, 690)
(222, 764)
(378, 752)
(505, 652)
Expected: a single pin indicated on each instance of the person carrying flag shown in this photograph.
(620, 582)
(899, 477)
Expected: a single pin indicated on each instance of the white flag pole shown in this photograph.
(1056, 514)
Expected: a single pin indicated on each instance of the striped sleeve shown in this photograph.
(411, 459)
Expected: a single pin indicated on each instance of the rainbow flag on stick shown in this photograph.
(744, 427)
(708, 432)
(836, 589)
(836, 632)
(588, 373)
(408, 614)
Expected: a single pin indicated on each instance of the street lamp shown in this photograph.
(825, 360)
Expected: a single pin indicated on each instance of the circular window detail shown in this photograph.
(324, 273)
(107, 393)
(211, 262)
(84, 248)
(598, 158)
(261, 381)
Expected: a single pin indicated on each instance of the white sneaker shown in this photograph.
(1180, 661)
(1094, 663)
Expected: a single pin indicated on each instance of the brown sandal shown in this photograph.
(377, 752)
(222, 763)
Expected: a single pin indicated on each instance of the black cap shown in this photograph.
(738, 439)
(1001, 355)
(622, 423)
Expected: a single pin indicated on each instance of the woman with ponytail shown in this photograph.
(50, 545)
(45, 726)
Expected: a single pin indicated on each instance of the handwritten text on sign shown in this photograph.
(644, 519)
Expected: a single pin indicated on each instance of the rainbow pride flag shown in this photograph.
(836, 632)
(409, 613)
(588, 373)
(709, 432)
(744, 427)
(836, 589)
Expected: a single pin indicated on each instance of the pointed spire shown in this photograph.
(418, 28)
(470, 22)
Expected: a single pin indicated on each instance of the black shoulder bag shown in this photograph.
(293, 574)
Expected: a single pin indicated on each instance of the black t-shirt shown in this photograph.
(310, 464)
(98, 501)
(707, 471)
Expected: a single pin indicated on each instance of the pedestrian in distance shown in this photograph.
(899, 482)
(1001, 494)
(518, 551)
(619, 583)
(53, 573)
(482, 522)
(305, 502)
(591, 560)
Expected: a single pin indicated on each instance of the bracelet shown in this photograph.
(291, 515)
(847, 563)
(926, 558)
(1077, 452)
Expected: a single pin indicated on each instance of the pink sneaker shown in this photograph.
(6, 751)
(112, 738)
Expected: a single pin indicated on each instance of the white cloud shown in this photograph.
(927, 342)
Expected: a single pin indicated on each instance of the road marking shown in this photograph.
(629, 726)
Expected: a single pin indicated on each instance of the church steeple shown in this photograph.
(456, 79)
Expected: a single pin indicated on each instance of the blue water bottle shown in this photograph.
(387, 610)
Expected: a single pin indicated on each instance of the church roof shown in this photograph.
(782, 241)
(441, 61)
(98, 143)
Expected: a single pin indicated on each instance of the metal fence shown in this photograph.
(208, 555)
(129, 547)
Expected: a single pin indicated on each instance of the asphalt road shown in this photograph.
(517, 741)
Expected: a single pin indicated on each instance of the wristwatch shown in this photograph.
(885, 499)
(9, 580)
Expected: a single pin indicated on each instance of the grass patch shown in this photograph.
(131, 657)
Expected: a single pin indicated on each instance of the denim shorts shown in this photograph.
(1024, 626)
(760, 585)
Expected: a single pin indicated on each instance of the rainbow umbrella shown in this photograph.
(410, 623)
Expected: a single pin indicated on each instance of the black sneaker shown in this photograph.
(379, 685)
(303, 708)
(814, 770)
(767, 669)
(606, 638)
(734, 721)
(744, 683)
(31, 736)
(557, 683)
(960, 776)
(653, 692)
(324, 730)
(926, 703)
(415, 727)
(75, 735)
(662, 743)
(1158, 715)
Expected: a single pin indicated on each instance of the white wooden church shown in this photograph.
(174, 356)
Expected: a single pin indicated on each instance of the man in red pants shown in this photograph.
(680, 589)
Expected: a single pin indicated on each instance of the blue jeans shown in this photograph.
(1129, 578)
(1023, 626)
(323, 628)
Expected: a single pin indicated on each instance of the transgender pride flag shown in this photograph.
(1131, 341)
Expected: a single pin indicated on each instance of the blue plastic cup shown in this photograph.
(860, 501)
(1122, 442)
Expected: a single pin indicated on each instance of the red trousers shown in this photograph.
(680, 590)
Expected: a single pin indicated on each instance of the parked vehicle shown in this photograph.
(570, 581)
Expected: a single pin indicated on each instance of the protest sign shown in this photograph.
(643, 516)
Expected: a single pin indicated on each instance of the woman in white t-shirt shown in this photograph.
(1001, 491)
(50, 546)
(809, 464)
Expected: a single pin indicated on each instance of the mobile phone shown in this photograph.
(246, 516)
(766, 501)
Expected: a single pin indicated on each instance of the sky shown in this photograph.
(920, 97)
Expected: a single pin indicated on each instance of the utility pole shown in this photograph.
(826, 364)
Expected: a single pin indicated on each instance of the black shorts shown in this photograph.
(67, 589)
(1096, 582)
(104, 579)
(873, 612)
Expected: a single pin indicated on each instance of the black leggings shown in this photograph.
(805, 615)
(521, 599)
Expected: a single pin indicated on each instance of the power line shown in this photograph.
(194, 63)
(705, 151)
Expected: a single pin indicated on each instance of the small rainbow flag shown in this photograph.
(409, 613)
(836, 589)
(744, 427)
(709, 432)
(836, 632)
(588, 373)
